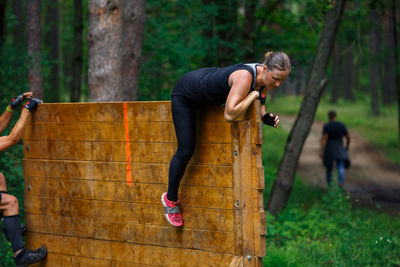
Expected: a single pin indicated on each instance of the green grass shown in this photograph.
(380, 130)
(323, 228)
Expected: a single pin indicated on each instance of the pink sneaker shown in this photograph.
(172, 211)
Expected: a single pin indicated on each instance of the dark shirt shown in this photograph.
(335, 130)
(208, 86)
(334, 148)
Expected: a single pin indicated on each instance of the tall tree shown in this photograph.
(115, 39)
(52, 40)
(317, 81)
(132, 35)
(34, 48)
(78, 52)
(374, 52)
(397, 62)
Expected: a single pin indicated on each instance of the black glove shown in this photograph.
(268, 119)
(33, 103)
(16, 101)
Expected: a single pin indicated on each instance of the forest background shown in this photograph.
(179, 36)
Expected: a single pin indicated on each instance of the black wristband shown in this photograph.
(262, 98)
(268, 120)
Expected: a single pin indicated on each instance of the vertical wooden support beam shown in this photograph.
(242, 191)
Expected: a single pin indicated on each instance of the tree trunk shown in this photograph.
(287, 170)
(335, 81)
(396, 57)
(389, 79)
(52, 40)
(373, 63)
(115, 39)
(132, 35)
(248, 31)
(348, 67)
(78, 52)
(19, 30)
(34, 48)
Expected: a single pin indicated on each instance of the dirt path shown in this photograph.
(371, 179)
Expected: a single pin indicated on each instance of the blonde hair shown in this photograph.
(277, 61)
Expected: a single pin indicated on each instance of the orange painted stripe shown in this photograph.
(127, 147)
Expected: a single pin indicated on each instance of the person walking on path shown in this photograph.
(332, 148)
(9, 203)
(237, 87)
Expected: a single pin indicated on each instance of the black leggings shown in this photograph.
(184, 117)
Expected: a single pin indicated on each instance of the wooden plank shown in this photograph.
(237, 262)
(256, 158)
(261, 179)
(83, 112)
(236, 191)
(152, 214)
(258, 181)
(258, 218)
(201, 175)
(214, 154)
(60, 260)
(137, 111)
(260, 135)
(246, 188)
(255, 111)
(211, 113)
(126, 252)
(260, 230)
(191, 196)
(260, 249)
(115, 131)
(258, 200)
(165, 236)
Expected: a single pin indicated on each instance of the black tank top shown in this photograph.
(210, 86)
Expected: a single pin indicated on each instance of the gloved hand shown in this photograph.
(15, 102)
(32, 104)
(269, 119)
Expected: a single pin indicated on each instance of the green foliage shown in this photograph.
(174, 44)
(324, 227)
(331, 231)
(66, 49)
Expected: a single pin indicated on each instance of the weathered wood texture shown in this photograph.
(94, 175)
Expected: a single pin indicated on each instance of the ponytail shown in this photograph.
(277, 60)
(267, 55)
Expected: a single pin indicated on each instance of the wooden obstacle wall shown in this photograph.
(94, 175)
